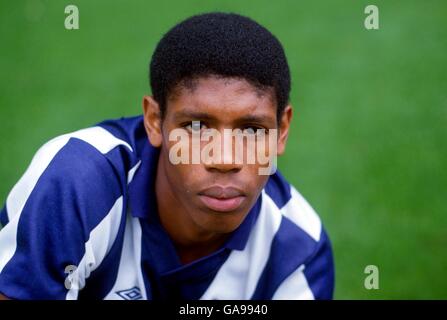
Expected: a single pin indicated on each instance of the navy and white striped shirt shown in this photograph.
(87, 200)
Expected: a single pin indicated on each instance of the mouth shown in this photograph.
(222, 199)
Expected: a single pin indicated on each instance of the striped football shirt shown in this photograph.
(82, 223)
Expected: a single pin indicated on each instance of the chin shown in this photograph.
(222, 222)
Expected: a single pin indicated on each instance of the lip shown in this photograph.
(222, 199)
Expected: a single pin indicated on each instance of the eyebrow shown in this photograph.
(206, 116)
(193, 115)
(254, 118)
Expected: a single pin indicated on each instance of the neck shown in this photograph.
(191, 241)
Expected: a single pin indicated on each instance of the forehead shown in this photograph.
(222, 98)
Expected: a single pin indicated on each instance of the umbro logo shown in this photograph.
(130, 294)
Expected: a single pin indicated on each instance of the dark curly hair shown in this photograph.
(221, 44)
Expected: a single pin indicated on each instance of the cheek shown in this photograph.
(183, 178)
(254, 181)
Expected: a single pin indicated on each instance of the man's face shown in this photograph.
(215, 195)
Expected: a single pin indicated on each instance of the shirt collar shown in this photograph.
(143, 202)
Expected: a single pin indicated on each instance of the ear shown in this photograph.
(284, 126)
(152, 120)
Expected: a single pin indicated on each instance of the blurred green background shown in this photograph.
(368, 142)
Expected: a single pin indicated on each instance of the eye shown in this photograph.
(254, 129)
(194, 126)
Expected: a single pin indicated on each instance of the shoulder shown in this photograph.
(82, 149)
(101, 139)
(300, 251)
(67, 209)
(75, 176)
(78, 149)
(301, 232)
(293, 207)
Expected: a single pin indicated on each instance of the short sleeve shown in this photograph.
(319, 270)
(60, 219)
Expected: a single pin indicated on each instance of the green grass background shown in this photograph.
(368, 142)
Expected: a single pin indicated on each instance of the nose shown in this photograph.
(226, 164)
(229, 160)
(224, 167)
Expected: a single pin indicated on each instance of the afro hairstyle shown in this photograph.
(220, 44)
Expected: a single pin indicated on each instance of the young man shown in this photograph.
(105, 212)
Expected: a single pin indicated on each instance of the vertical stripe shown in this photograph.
(99, 244)
(132, 171)
(129, 264)
(19, 195)
(301, 213)
(137, 247)
(290, 248)
(319, 270)
(129, 271)
(3, 217)
(294, 287)
(278, 189)
(239, 275)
